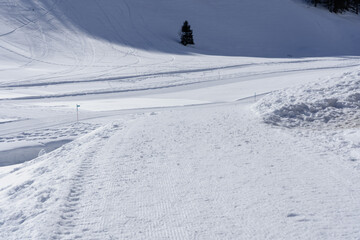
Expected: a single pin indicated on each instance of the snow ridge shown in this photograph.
(333, 103)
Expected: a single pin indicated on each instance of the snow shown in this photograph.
(151, 176)
(6, 120)
(252, 133)
(333, 103)
(124, 103)
(328, 111)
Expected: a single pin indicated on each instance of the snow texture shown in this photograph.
(202, 173)
(328, 112)
(167, 145)
(334, 103)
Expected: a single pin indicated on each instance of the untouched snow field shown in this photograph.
(253, 133)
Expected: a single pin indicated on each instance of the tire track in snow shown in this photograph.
(69, 212)
(70, 208)
(204, 173)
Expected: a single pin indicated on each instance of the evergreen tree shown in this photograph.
(338, 6)
(354, 4)
(315, 2)
(186, 34)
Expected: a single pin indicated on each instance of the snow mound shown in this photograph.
(332, 103)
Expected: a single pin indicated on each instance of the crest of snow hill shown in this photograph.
(333, 103)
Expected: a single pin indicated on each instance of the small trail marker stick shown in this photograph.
(77, 112)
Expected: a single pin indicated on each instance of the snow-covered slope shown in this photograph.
(203, 173)
(52, 47)
(263, 28)
(57, 48)
(181, 155)
(114, 55)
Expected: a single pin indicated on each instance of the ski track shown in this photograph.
(163, 84)
(209, 172)
(152, 177)
(29, 21)
(32, 83)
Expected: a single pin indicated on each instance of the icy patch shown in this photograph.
(334, 103)
(23, 154)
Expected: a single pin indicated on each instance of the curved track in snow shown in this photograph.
(75, 51)
(183, 159)
(199, 173)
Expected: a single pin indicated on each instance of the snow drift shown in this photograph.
(333, 103)
(206, 172)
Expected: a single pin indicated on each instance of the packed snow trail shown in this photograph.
(202, 173)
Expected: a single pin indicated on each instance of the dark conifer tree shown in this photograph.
(186, 34)
(338, 6)
(355, 5)
(315, 2)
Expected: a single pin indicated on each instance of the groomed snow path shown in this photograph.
(201, 173)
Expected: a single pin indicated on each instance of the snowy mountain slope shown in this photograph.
(264, 29)
(204, 173)
(182, 159)
(115, 55)
(56, 48)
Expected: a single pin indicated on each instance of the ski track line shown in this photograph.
(29, 21)
(117, 78)
(212, 79)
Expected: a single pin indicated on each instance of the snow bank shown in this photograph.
(31, 193)
(332, 103)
